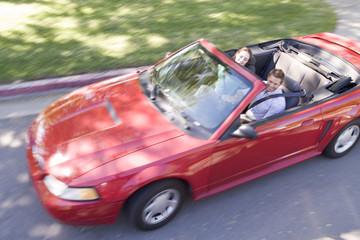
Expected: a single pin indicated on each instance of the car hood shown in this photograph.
(96, 124)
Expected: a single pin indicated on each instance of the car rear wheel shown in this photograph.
(344, 140)
(156, 204)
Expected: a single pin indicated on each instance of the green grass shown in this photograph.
(47, 38)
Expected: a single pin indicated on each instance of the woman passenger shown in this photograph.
(245, 58)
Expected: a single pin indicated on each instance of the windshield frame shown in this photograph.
(161, 91)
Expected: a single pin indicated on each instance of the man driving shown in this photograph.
(270, 106)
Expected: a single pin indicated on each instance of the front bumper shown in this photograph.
(70, 212)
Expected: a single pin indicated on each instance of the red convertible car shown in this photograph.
(142, 142)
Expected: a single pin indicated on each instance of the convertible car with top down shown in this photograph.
(142, 142)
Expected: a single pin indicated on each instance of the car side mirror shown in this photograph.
(245, 131)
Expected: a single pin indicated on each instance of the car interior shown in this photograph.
(317, 72)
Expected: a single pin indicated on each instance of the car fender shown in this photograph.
(153, 174)
(191, 166)
(110, 191)
(123, 178)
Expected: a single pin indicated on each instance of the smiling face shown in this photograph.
(272, 83)
(242, 58)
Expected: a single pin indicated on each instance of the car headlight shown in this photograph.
(38, 158)
(61, 190)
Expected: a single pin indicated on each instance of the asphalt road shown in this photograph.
(316, 199)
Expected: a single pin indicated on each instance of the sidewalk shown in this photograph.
(75, 81)
(30, 98)
(348, 24)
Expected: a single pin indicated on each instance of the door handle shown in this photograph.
(307, 122)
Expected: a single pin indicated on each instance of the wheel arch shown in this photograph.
(327, 151)
(146, 184)
(337, 125)
(153, 200)
(152, 175)
(342, 122)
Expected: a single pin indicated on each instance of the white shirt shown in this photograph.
(269, 107)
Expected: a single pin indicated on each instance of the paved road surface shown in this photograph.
(316, 199)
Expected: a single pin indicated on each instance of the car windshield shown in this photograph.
(201, 87)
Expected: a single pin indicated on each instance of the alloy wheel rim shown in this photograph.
(347, 139)
(161, 206)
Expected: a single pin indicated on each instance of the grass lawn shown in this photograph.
(47, 38)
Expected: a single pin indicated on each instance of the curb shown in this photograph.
(16, 89)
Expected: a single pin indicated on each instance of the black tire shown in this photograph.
(344, 140)
(156, 204)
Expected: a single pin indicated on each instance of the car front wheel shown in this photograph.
(344, 140)
(156, 204)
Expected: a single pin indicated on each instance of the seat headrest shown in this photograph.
(291, 84)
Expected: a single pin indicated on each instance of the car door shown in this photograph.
(280, 143)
